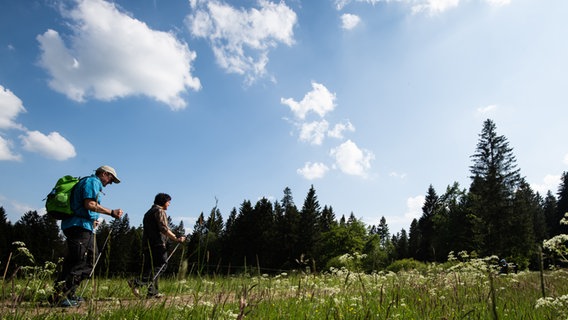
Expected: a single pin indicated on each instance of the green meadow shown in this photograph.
(470, 289)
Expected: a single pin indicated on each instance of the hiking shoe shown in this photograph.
(154, 296)
(66, 303)
(134, 287)
(76, 298)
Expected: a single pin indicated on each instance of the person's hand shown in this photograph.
(116, 213)
(181, 239)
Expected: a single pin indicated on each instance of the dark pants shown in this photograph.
(78, 262)
(155, 262)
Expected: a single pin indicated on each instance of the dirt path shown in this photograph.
(33, 309)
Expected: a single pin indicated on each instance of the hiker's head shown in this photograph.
(109, 172)
(161, 199)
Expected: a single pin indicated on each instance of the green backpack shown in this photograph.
(58, 201)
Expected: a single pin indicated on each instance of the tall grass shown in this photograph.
(456, 290)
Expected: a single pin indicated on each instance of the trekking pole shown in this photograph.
(96, 261)
(166, 263)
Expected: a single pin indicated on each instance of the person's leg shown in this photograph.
(159, 259)
(64, 285)
(142, 280)
(81, 250)
(85, 266)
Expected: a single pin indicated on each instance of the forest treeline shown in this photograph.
(498, 214)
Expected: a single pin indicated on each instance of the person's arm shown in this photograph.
(172, 236)
(94, 206)
(164, 228)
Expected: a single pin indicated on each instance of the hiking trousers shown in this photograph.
(155, 260)
(78, 262)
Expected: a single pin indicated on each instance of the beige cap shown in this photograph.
(110, 170)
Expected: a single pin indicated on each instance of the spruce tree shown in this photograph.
(5, 235)
(562, 205)
(527, 219)
(119, 244)
(289, 229)
(413, 239)
(400, 242)
(551, 215)
(426, 250)
(308, 230)
(41, 236)
(327, 219)
(454, 223)
(383, 232)
(495, 178)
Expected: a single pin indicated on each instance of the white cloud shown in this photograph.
(418, 6)
(241, 39)
(349, 21)
(498, 3)
(352, 160)
(52, 146)
(10, 107)
(414, 208)
(338, 129)
(549, 182)
(313, 171)
(566, 159)
(112, 55)
(340, 4)
(487, 109)
(319, 100)
(434, 6)
(314, 132)
(397, 175)
(6, 152)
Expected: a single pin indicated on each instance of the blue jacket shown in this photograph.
(87, 188)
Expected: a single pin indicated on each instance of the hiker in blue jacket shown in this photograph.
(79, 232)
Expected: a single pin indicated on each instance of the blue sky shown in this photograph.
(369, 101)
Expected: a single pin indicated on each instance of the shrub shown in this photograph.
(407, 264)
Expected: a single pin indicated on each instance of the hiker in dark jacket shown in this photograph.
(78, 231)
(156, 233)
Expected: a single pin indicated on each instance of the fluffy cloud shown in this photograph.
(498, 3)
(241, 39)
(314, 132)
(10, 107)
(349, 21)
(347, 157)
(397, 175)
(6, 152)
(112, 55)
(319, 101)
(549, 183)
(414, 208)
(338, 129)
(435, 6)
(352, 160)
(313, 171)
(52, 146)
(487, 109)
(416, 6)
